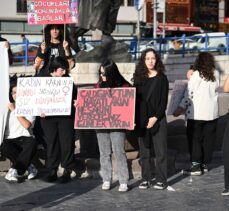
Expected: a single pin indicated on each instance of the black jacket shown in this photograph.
(151, 100)
(52, 50)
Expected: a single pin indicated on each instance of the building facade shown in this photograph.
(180, 15)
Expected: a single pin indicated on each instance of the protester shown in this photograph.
(151, 126)
(226, 149)
(59, 132)
(112, 139)
(201, 106)
(54, 45)
(10, 54)
(19, 144)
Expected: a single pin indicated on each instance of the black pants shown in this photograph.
(226, 155)
(19, 151)
(59, 135)
(201, 135)
(159, 147)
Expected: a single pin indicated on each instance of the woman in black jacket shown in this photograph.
(152, 94)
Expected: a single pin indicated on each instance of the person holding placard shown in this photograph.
(59, 132)
(226, 148)
(112, 139)
(19, 144)
(200, 104)
(55, 44)
(151, 126)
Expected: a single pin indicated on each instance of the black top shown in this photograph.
(52, 50)
(151, 99)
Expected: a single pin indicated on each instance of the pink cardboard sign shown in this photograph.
(105, 108)
(52, 11)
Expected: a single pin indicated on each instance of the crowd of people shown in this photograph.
(54, 59)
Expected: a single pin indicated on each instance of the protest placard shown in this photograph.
(105, 108)
(177, 95)
(52, 11)
(44, 95)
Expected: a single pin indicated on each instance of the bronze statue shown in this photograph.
(95, 14)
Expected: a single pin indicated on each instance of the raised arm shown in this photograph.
(23, 121)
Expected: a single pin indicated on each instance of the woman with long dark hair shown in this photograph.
(54, 45)
(112, 139)
(200, 103)
(151, 126)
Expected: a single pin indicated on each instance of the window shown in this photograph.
(21, 6)
(124, 29)
(12, 26)
(130, 3)
(122, 2)
(32, 28)
(20, 27)
(227, 8)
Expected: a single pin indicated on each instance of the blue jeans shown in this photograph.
(108, 141)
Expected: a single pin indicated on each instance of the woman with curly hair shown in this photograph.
(53, 46)
(151, 100)
(200, 104)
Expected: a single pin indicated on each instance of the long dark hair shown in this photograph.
(59, 62)
(114, 77)
(205, 64)
(13, 83)
(141, 72)
(48, 28)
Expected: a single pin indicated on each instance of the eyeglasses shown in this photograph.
(102, 73)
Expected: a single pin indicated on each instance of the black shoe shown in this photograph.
(195, 170)
(160, 186)
(204, 168)
(144, 185)
(66, 177)
(52, 176)
(225, 192)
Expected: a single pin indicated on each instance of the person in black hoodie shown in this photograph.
(59, 132)
(54, 45)
(151, 100)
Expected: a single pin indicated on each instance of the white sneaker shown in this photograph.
(12, 175)
(106, 185)
(123, 188)
(32, 172)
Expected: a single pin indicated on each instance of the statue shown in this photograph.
(96, 14)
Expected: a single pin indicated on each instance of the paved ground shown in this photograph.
(191, 193)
